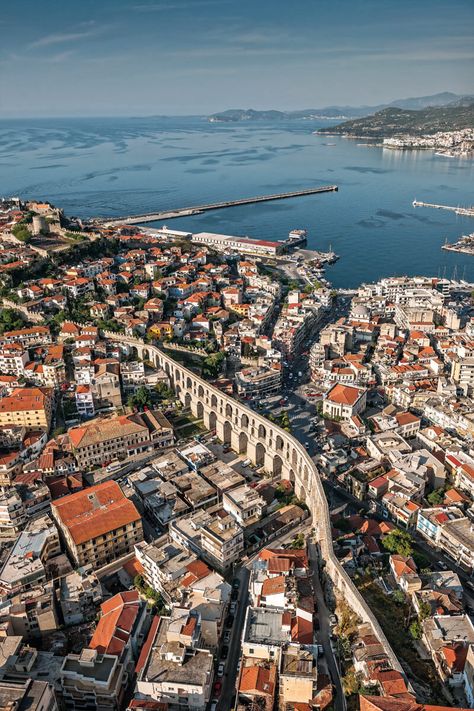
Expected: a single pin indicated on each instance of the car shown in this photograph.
(235, 584)
(217, 688)
(333, 620)
(213, 705)
(227, 636)
(320, 650)
(221, 669)
(224, 651)
(229, 621)
(470, 584)
(234, 595)
(442, 565)
(233, 608)
(306, 444)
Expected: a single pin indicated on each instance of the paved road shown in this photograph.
(324, 632)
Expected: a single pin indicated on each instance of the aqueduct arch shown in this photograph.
(280, 452)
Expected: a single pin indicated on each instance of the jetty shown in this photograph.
(466, 211)
(198, 209)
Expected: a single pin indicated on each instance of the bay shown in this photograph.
(117, 166)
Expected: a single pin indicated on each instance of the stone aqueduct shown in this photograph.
(267, 445)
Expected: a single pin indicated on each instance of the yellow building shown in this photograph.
(161, 330)
(28, 407)
(98, 524)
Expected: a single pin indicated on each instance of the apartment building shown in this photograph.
(212, 534)
(98, 524)
(106, 439)
(245, 504)
(12, 512)
(30, 407)
(173, 669)
(25, 566)
(259, 382)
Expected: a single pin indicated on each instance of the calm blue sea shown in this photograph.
(122, 166)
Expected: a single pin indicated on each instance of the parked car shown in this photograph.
(217, 688)
(227, 636)
(221, 669)
(333, 620)
(234, 595)
(235, 584)
(233, 608)
(224, 651)
(229, 621)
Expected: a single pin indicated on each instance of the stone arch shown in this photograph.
(213, 400)
(244, 421)
(228, 410)
(177, 375)
(200, 391)
(262, 432)
(294, 458)
(277, 465)
(145, 354)
(279, 444)
(187, 400)
(227, 432)
(134, 352)
(177, 389)
(199, 410)
(259, 454)
(189, 383)
(243, 442)
(212, 420)
(291, 476)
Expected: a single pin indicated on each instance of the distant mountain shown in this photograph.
(391, 121)
(445, 98)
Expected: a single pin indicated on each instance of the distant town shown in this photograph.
(225, 484)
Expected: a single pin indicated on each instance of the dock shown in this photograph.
(198, 209)
(466, 211)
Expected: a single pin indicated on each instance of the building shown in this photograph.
(30, 407)
(29, 695)
(239, 244)
(91, 681)
(25, 566)
(344, 402)
(105, 439)
(212, 534)
(266, 631)
(456, 539)
(98, 524)
(172, 668)
(245, 504)
(259, 382)
(12, 512)
(79, 596)
(298, 676)
(98, 677)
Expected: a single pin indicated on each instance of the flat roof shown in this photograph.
(265, 626)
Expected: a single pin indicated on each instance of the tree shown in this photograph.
(21, 232)
(424, 610)
(398, 597)
(140, 399)
(398, 541)
(211, 365)
(436, 497)
(415, 630)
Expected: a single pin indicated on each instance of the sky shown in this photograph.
(142, 57)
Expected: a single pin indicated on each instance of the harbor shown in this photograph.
(199, 209)
(465, 211)
(464, 245)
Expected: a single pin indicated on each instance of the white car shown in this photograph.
(221, 669)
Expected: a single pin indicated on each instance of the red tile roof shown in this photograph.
(115, 626)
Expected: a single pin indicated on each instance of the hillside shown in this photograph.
(445, 98)
(392, 121)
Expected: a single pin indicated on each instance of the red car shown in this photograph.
(217, 688)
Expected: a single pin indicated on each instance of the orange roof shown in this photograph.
(273, 586)
(344, 394)
(405, 418)
(258, 680)
(95, 511)
(402, 565)
(25, 399)
(115, 626)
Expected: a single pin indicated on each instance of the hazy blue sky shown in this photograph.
(102, 57)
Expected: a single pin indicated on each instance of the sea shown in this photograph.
(120, 166)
